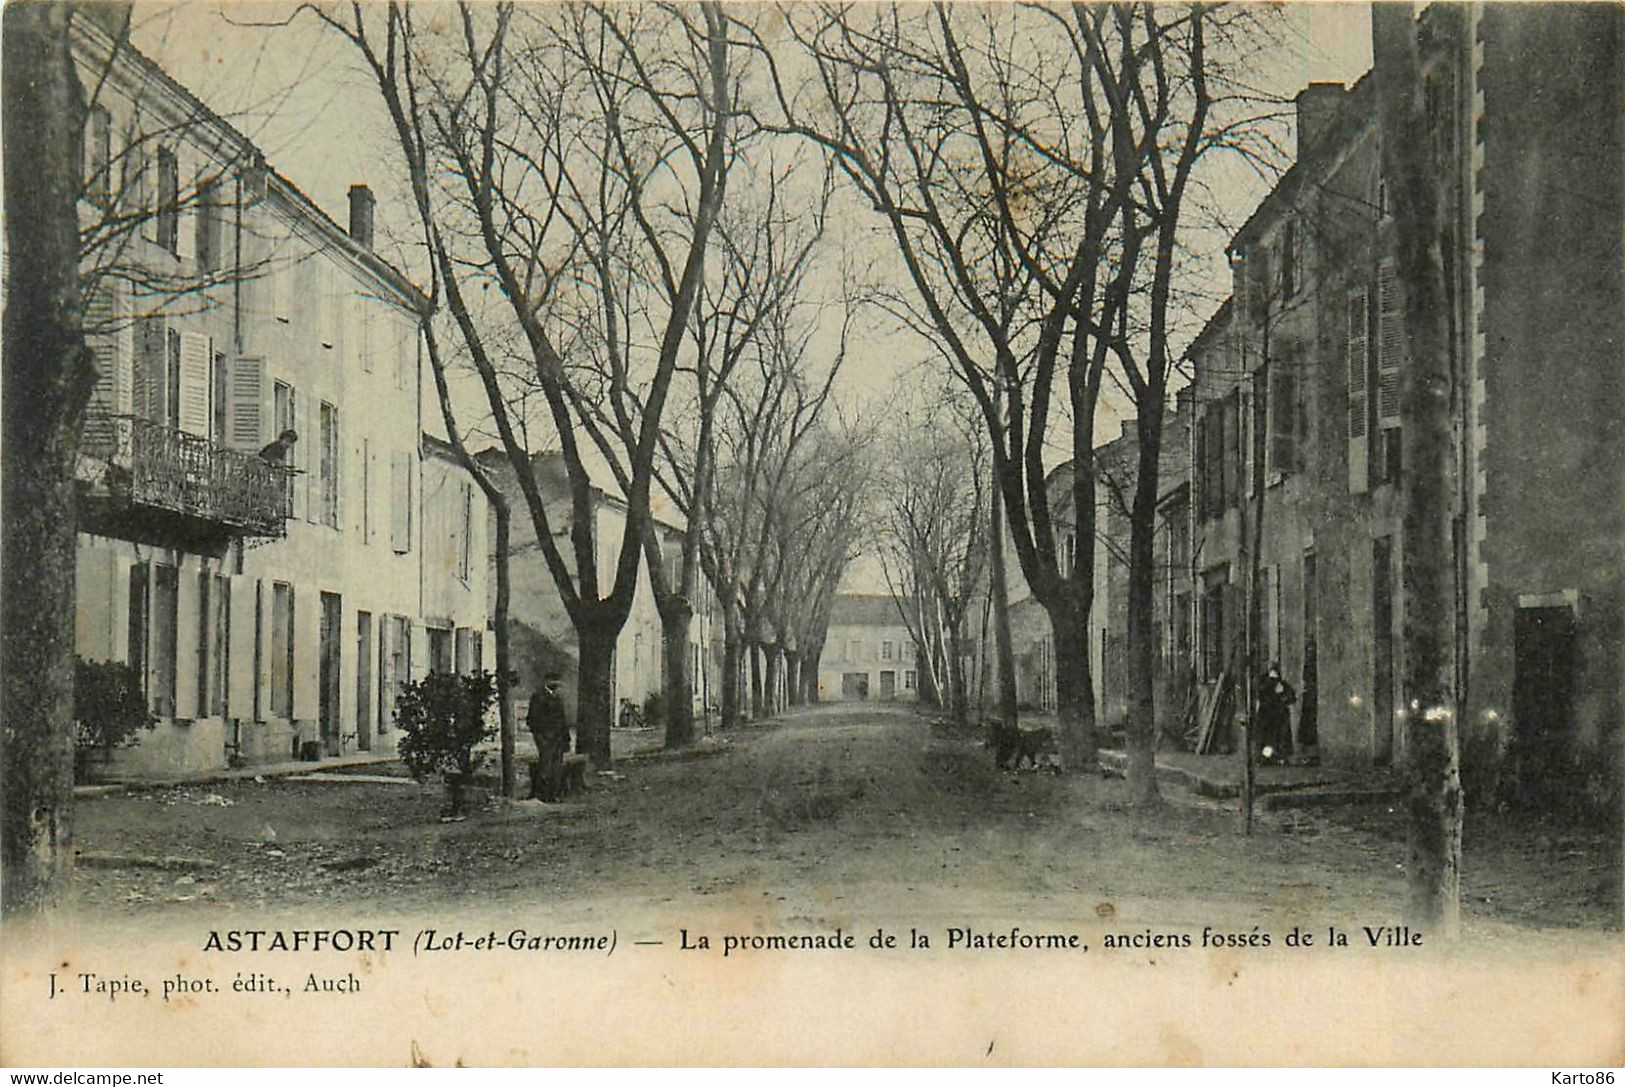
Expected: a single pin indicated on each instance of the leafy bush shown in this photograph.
(109, 710)
(444, 716)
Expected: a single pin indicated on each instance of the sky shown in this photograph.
(295, 89)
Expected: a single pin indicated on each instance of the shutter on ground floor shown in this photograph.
(96, 589)
(189, 613)
(241, 639)
(307, 627)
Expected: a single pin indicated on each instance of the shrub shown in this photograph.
(443, 716)
(109, 710)
(654, 710)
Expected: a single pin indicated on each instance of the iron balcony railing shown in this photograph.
(154, 466)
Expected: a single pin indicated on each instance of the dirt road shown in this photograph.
(824, 813)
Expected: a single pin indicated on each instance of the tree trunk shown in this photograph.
(504, 590)
(675, 621)
(1432, 713)
(809, 676)
(792, 676)
(755, 651)
(958, 696)
(1081, 735)
(1141, 738)
(595, 696)
(730, 667)
(1001, 618)
(47, 380)
(775, 673)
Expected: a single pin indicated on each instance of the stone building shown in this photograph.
(253, 510)
(1298, 440)
(869, 654)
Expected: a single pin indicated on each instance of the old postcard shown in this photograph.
(809, 534)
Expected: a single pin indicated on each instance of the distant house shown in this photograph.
(869, 653)
(543, 637)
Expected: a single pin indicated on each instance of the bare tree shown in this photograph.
(48, 378)
(933, 536)
(1435, 798)
(979, 136)
(574, 159)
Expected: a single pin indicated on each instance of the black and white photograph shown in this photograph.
(806, 534)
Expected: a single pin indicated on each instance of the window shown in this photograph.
(169, 202)
(400, 489)
(171, 412)
(1356, 362)
(139, 629)
(1218, 440)
(208, 225)
(886, 648)
(214, 623)
(98, 156)
(1391, 350)
(218, 397)
(908, 680)
(1215, 589)
(330, 465)
(165, 646)
(1285, 418)
(1290, 255)
(854, 650)
(282, 667)
(440, 649)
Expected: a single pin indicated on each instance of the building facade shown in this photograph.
(869, 654)
(543, 639)
(1299, 448)
(253, 507)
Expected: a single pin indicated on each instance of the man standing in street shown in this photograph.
(551, 731)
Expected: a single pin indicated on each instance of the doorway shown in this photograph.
(1543, 673)
(331, 723)
(363, 680)
(888, 686)
(1382, 642)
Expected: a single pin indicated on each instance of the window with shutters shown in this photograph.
(1285, 419)
(1357, 362)
(440, 649)
(194, 390)
(111, 395)
(282, 646)
(330, 465)
(171, 411)
(886, 649)
(1391, 352)
(169, 201)
(208, 225)
(98, 156)
(246, 390)
(214, 623)
(400, 492)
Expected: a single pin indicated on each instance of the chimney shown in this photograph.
(361, 205)
(1317, 104)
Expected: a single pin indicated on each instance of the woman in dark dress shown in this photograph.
(1275, 698)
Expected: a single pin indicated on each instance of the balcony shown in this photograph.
(147, 482)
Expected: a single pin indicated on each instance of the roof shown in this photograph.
(99, 31)
(865, 610)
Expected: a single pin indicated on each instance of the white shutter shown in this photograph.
(1391, 346)
(241, 641)
(301, 451)
(1356, 361)
(246, 404)
(186, 208)
(112, 393)
(196, 351)
(187, 617)
(307, 633)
